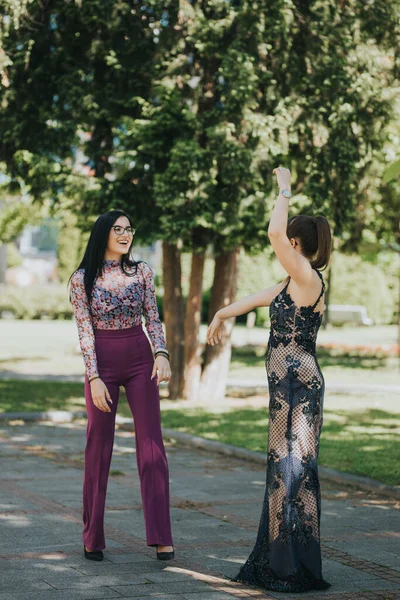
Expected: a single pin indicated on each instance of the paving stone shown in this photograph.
(82, 582)
(166, 576)
(10, 586)
(226, 569)
(108, 568)
(128, 558)
(161, 596)
(160, 588)
(216, 506)
(363, 549)
(377, 584)
(209, 595)
(93, 594)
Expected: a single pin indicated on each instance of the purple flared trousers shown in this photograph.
(124, 358)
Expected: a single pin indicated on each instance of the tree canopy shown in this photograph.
(180, 115)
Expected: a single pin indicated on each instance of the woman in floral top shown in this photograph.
(109, 294)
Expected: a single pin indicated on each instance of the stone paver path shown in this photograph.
(215, 508)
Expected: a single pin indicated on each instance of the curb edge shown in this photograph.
(186, 439)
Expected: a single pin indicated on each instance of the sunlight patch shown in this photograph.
(23, 437)
(371, 448)
(16, 520)
(124, 449)
(55, 556)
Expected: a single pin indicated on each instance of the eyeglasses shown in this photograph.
(120, 230)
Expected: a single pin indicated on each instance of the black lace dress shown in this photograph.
(287, 553)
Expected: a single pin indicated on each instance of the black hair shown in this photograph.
(315, 238)
(93, 258)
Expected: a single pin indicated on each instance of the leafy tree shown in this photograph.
(247, 86)
(15, 214)
(186, 130)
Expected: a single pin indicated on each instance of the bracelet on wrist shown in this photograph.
(164, 353)
(93, 378)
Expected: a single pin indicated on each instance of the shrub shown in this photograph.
(355, 281)
(36, 301)
(14, 258)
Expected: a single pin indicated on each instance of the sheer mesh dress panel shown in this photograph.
(287, 554)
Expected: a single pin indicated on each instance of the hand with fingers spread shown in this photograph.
(100, 395)
(214, 332)
(161, 369)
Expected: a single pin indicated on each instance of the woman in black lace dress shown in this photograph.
(287, 553)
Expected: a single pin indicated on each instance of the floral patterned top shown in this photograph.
(118, 302)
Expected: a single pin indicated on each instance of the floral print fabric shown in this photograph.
(118, 302)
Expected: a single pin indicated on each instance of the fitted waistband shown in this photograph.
(118, 333)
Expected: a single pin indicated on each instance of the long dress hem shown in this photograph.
(269, 581)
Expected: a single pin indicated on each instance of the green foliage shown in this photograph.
(357, 282)
(392, 172)
(354, 281)
(14, 258)
(36, 302)
(71, 72)
(15, 214)
(70, 246)
(180, 119)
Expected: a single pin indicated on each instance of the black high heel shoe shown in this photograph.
(166, 555)
(97, 555)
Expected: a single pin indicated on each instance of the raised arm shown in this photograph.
(152, 318)
(84, 322)
(296, 265)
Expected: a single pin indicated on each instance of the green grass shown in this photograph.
(29, 396)
(363, 442)
(337, 367)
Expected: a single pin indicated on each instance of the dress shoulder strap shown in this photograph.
(322, 290)
(286, 286)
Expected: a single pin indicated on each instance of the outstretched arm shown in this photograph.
(240, 307)
(296, 265)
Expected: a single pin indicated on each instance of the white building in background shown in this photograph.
(37, 246)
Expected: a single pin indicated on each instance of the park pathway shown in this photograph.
(215, 508)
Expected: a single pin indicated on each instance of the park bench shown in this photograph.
(349, 313)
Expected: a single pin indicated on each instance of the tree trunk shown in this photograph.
(192, 362)
(217, 358)
(398, 318)
(3, 262)
(173, 310)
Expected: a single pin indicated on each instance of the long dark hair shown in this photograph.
(315, 238)
(93, 258)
